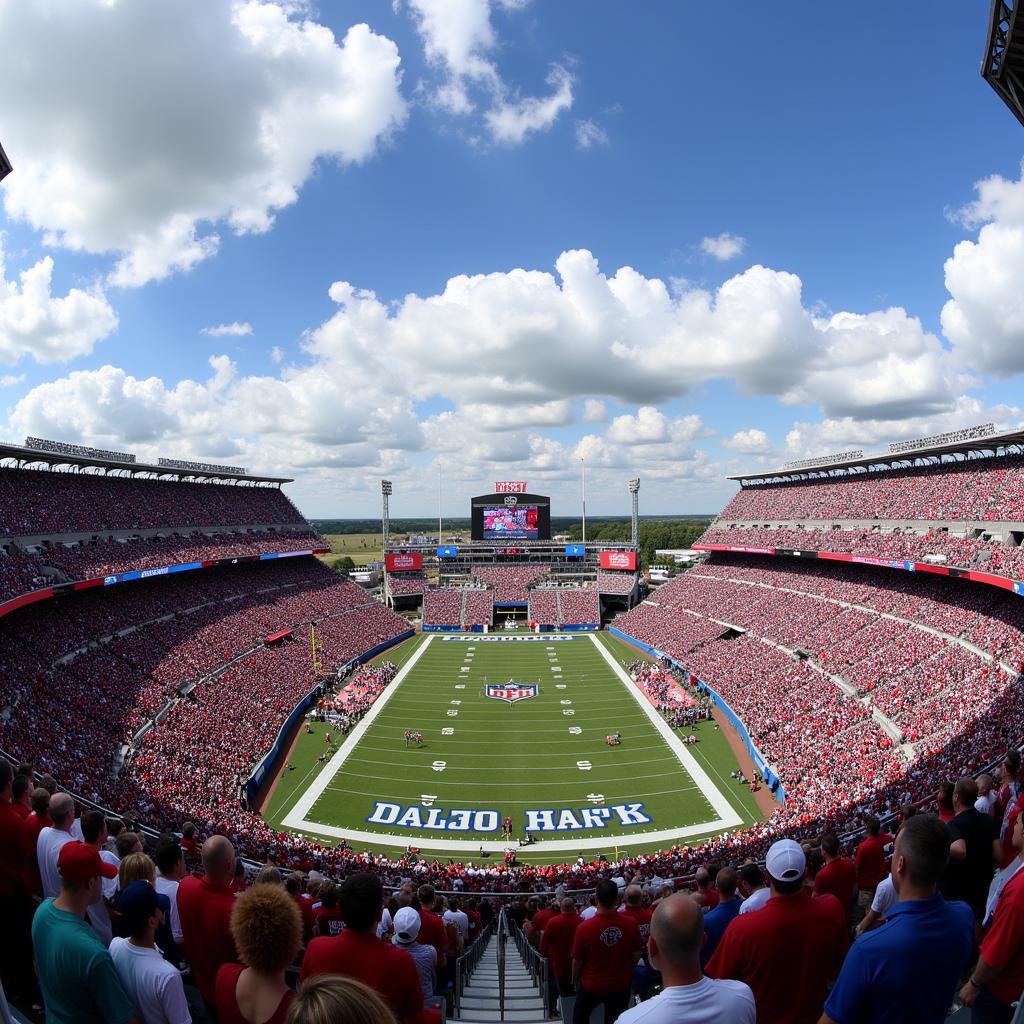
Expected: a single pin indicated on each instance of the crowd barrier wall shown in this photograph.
(431, 628)
(723, 705)
(269, 761)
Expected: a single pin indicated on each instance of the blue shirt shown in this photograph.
(906, 971)
(715, 923)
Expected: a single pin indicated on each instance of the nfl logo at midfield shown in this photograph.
(511, 691)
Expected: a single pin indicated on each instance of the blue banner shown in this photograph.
(575, 550)
(447, 551)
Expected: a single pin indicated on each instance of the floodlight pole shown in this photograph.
(634, 490)
(440, 482)
(386, 490)
(583, 472)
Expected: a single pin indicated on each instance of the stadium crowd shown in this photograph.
(510, 583)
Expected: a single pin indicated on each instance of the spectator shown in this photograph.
(753, 889)
(998, 977)
(986, 799)
(40, 816)
(407, 928)
(870, 862)
(717, 920)
(677, 934)
(643, 977)
(328, 916)
(706, 896)
(358, 953)
(51, 840)
(17, 877)
(78, 979)
(923, 937)
(94, 833)
(556, 944)
(153, 985)
(604, 951)
(293, 886)
(21, 795)
(885, 897)
(204, 909)
(170, 866)
(267, 930)
(336, 1000)
(432, 929)
(838, 876)
(974, 850)
(788, 950)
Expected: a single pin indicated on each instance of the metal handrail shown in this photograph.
(502, 939)
(536, 964)
(465, 965)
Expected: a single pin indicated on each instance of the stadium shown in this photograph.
(754, 758)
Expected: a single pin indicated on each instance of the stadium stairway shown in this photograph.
(480, 1001)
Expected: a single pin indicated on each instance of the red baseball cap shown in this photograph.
(78, 862)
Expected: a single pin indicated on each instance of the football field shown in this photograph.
(513, 726)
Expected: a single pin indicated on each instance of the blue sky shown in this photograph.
(677, 240)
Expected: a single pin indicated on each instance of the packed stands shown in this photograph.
(39, 502)
(623, 583)
(510, 583)
(477, 608)
(404, 584)
(543, 607)
(578, 607)
(442, 607)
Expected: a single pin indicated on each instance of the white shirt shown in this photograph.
(152, 984)
(48, 847)
(588, 913)
(756, 900)
(704, 1002)
(885, 896)
(983, 804)
(460, 920)
(169, 888)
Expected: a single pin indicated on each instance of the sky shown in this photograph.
(451, 242)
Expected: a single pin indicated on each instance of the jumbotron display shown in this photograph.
(511, 517)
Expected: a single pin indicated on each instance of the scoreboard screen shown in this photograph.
(511, 517)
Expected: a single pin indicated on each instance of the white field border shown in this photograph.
(727, 817)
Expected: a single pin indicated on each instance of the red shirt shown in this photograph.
(786, 953)
(711, 898)
(1003, 945)
(16, 853)
(1012, 813)
(329, 920)
(838, 878)
(642, 916)
(541, 919)
(305, 905)
(870, 860)
(384, 968)
(556, 943)
(608, 944)
(204, 910)
(227, 1004)
(22, 811)
(35, 825)
(433, 933)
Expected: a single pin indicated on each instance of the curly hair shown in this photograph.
(267, 928)
(333, 999)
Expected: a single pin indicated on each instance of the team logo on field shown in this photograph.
(511, 692)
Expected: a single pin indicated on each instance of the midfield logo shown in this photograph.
(510, 691)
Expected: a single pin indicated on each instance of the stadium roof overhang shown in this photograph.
(991, 444)
(1003, 64)
(33, 457)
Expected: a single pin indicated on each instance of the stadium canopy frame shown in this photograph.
(1003, 63)
(23, 457)
(5, 164)
(1009, 442)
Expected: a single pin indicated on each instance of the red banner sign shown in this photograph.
(510, 487)
(619, 560)
(403, 563)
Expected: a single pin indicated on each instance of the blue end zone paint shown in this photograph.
(734, 720)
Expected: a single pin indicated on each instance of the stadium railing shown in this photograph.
(466, 964)
(536, 964)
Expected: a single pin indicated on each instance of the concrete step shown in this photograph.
(490, 1002)
(491, 992)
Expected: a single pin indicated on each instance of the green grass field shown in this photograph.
(546, 753)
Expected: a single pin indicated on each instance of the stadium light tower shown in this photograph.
(634, 490)
(583, 480)
(386, 490)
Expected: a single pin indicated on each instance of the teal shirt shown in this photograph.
(78, 978)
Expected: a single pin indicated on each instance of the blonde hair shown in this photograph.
(267, 928)
(136, 867)
(333, 999)
(267, 875)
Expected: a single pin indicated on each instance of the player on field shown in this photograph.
(408, 736)
(419, 739)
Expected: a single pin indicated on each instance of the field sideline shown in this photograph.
(543, 761)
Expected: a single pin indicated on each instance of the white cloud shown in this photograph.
(595, 411)
(749, 441)
(49, 328)
(117, 150)
(234, 329)
(651, 426)
(724, 246)
(9, 380)
(277, 354)
(589, 134)
(459, 40)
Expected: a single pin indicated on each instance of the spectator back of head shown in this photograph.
(360, 900)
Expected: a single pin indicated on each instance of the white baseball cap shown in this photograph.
(786, 861)
(407, 925)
